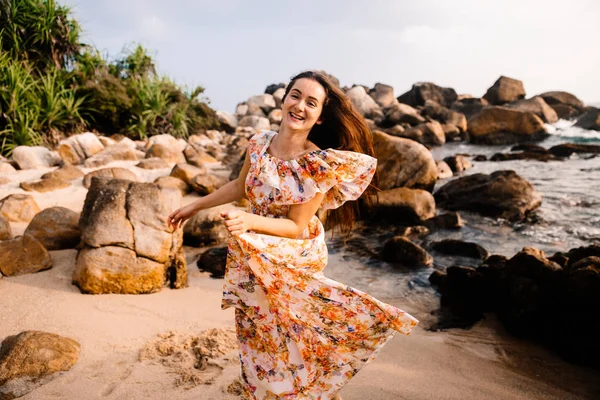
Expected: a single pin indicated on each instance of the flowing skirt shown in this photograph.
(301, 334)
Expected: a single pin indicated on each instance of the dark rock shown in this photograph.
(502, 194)
(566, 149)
(505, 90)
(421, 92)
(273, 87)
(564, 98)
(589, 120)
(469, 107)
(458, 163)
(444, 115)
(460, 248)
(449, 220)
(213, 261)
(401, 250)
(532, 263)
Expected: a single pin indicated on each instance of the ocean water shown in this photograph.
(568, 217)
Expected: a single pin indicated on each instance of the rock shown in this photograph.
(127, 245)
(577, 254)
(421, 92)
(275, 116)
(274, 87)
(278, 96)
(529, 147)
(7, 168)
(44, 185)
(19, 207)
(255, 110)
(241, 110)
(566, 149)
(458, 163)
(412, 231)
(265, 101)
(398, 113)
(33, 358)
(77, 148)
(364, 103)
(480, 157)
(538, 106)
(589, 120)
(502, 125)
(67, 172)
(469, 107)
(152, 163)
(275, 127)
(444, 171)
(213, 261)
(565, 111)
(23, 255)
(429, 133)
(168, 141)
(198, 157)
(29, 157)
(228, 121)
(562, 98)
(186, 172)
(452, 133)
(532, 263)
(403, 205)
(170, 155)
(5, 229)
(111, 154)
(255, 122)
(444, 115)
(57, 228)
(112, 173)
(587, 263)
(449, 220)
(501, 194)
(403, 163)
(401, 250)
(206, 184)
(505, 90)
(396, 130)
(166, 182)
(383, 95)
(106, 141)
(525, 155)
(460, 248)
(206, 227)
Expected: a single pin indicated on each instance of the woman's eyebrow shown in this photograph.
(310, 97)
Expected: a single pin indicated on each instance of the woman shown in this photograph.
(301, 335)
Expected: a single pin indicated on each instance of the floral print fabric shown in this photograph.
(301, 334)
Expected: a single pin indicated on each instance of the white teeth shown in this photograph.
(296, 116)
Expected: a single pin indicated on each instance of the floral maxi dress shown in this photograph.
(301, 335)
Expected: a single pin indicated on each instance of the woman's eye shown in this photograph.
(312, 104)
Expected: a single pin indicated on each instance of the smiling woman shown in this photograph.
(301, 335)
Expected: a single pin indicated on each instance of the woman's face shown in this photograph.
(303, 104)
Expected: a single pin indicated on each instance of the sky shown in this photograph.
(235, 48)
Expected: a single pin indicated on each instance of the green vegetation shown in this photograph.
(51, 85)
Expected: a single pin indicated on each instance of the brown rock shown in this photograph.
(405, 206)
(67, 173)
(382, 94)
(421, 92)
(5, 229)
(206, 227)
(23, 255)
(565, 111)
(557, 97)
(444, 115)
(206, 184)
(31, 359)
(19, 207)
(590, 119)
(116, 152)
(429, 133)
(502, 125)
(449, 220)
(166, 182)
(111, 173)
(213, 261)
(397, 113)
(401, 250)
(470, 106)
(458, 163)
(460, 248)
(566, 149)
(501, 194)
(403, 163)
(444, 171)
(77, 148)
(152, 163)
(505, 90)
(538, 106)
(186, 172)
(44, 185)
(452, 133)
(532, 263)
(198, 157)
(168, 154)
(56, 228)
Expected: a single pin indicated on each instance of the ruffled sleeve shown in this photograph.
(341, 175)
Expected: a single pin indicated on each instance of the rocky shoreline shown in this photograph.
(130, 186)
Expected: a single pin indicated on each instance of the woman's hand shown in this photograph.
(237, 222)
(178, 217)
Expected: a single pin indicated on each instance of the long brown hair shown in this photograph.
(343, 128)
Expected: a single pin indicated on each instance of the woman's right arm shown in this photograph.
(231, 191)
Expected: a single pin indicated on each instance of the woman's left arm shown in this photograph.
(238, 222)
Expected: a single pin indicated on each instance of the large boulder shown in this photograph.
(469, 106)
(170, 182)
(127, 246)
(168, 141)
(187, 172)
(23, 255)
(19, 207)
(44, 185)
(214, 261)
(429, 134)
(383, 95)
(400, 250)
(562, 98)
(169, 154)
(398, 113)
(266, 102)
(458, 163)
(77, 148)
(255, 122)
(5, 229)
(421, 92)
(538, 106)
(444, 115)
(364, 103)
(112, 173)
(198, 157)
(404, 206)
(29, 157)
(67, 172)
(152, 163)
(117, 152)
(228, 121)
(589, 120)
(33, 358)
(403, 163)
(505, 90)
(501, 194)
(56, 228)
(206, 184)
(566, 149)
(503, 125)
